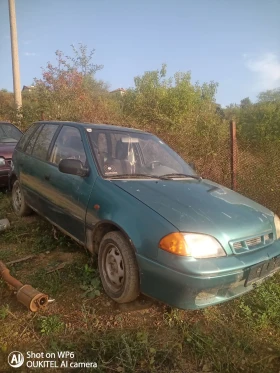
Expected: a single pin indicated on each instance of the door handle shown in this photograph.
(47, 177)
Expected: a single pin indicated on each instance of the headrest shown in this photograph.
(121, 150)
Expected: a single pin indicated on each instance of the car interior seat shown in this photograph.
(122, 152)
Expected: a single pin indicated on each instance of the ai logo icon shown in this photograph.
(15, 359)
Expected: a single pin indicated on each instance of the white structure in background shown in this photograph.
(27, 88)
(120, 91)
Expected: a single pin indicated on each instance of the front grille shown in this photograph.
(237, 245)
(252, 243)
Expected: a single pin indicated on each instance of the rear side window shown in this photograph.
(43, 141)
(26, 136)
(32, 139)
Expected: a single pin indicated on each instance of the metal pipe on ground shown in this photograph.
(26, 294)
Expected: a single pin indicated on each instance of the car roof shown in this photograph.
(95, 126)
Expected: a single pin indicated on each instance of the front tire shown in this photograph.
(18, 201)
(118, 268)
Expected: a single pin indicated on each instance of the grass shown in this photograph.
(242, 335)
(50, 325)
(4, 311)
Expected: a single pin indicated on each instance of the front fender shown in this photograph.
(142, 225)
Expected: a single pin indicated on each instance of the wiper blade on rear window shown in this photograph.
(135, 176)
(171, 176)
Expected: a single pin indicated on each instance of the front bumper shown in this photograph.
(190, 290)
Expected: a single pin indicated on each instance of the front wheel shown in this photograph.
(118, 268)
(18, 201)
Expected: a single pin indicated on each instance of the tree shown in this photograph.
(246, 102)
(170, 102)
(220, 111)
(260, 122)
(82, 61)
(70, 73)
(68, 90)
(269, 96)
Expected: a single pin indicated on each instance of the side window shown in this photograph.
(26, 136)
(32, 139)
(43, 141)
(68, 145)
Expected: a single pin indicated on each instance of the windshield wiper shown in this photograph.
(175, 175)
(136, 176)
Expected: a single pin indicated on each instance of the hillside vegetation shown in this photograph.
(184, 114)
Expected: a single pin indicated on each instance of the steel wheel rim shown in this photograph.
(17, 199)
(113, 266)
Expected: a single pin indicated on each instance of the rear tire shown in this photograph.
(18, 201)
(118, 268)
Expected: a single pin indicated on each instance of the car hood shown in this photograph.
(6, 149)
(202, 207)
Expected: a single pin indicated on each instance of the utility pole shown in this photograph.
(15, 60)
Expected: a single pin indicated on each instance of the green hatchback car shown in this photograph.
(158, 227)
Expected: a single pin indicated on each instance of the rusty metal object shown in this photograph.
(26, 294)
(32, 298)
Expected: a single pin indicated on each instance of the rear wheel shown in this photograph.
(18, 201)
(118, 268)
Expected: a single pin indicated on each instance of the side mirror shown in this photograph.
(73, 167)
(192, 165)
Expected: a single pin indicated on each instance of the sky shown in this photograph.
(233, 42)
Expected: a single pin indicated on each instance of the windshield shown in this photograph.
(9, 133)
(132, 154)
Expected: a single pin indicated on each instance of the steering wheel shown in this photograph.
(153, 164)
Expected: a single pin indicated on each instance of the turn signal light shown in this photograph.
(196, 245)
(175, 244)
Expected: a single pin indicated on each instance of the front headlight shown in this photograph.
(2, 161)
(277, 226)
(192, 244)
